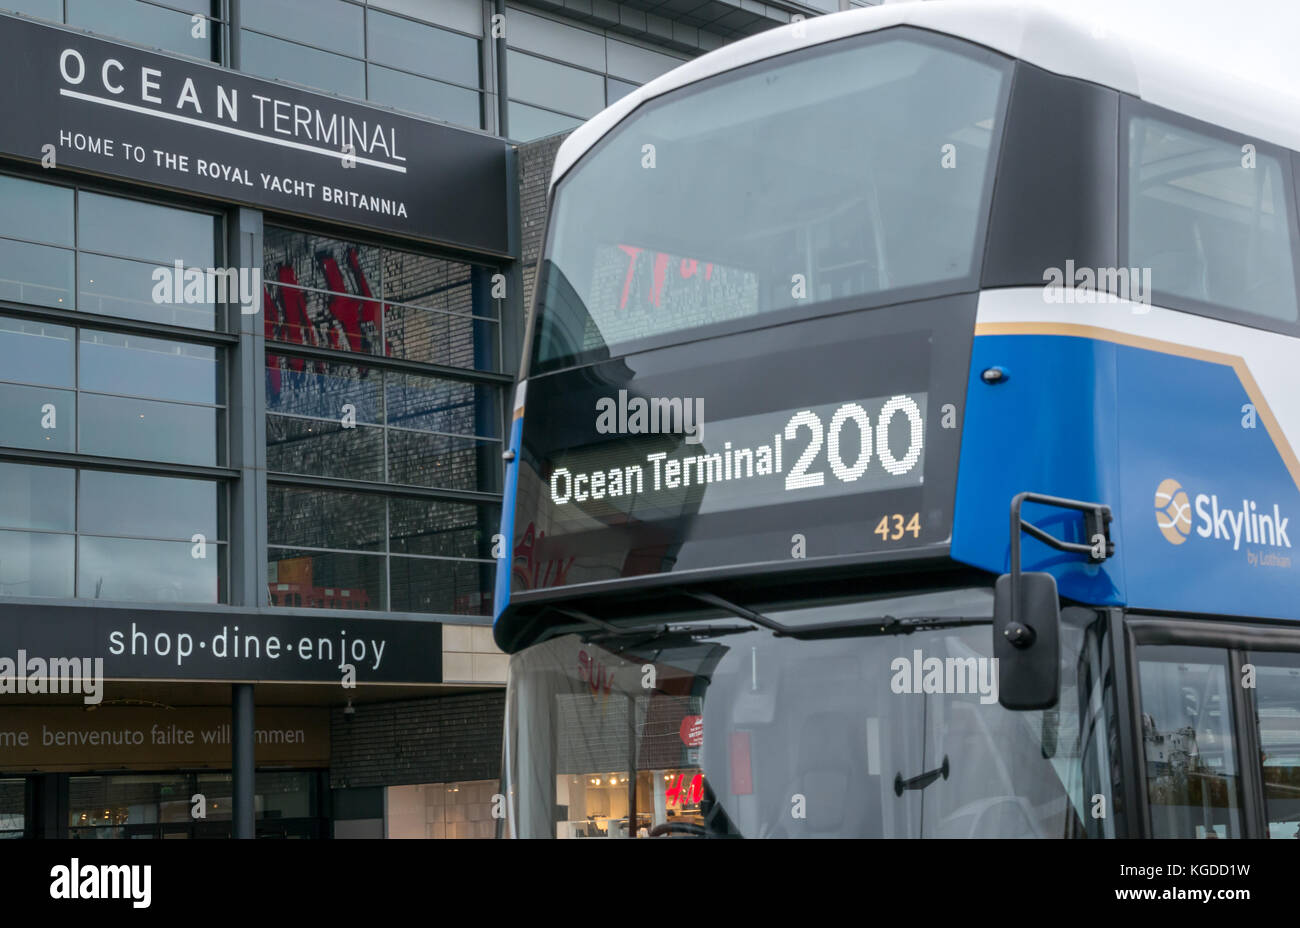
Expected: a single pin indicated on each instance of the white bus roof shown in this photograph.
(1092, 50)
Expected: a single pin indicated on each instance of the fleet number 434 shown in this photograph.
(913, 525)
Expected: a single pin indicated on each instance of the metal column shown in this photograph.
(244, 822)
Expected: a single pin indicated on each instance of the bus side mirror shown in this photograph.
(1027, 641)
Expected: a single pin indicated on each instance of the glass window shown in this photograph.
(555, 86)
(1189, 743)
(136, 365)
(146, 506)
(441, 529)
(37, 417)
(851, 204)
(36, 212)
(44, 9)
(279, 60)
(1277, 715)
(326, 579)
(35, 497)
(324, 448)
(530, 122)
(332, 24)
(423, 49)
(147, 24)
(617, 90)
(13, 808)
(436, 585)
(1209, 227)
(36, 352)
(139, 570)
(738, 723)
(35, 274)
(325, 519)
(146, 231)
(453, 406)
(321, 389)
(431, 460)
(128, 427)
(425, 97)
(328, 294)
(36, 564)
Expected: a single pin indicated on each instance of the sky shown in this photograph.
(1255, 38)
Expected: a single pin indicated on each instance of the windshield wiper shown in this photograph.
(643, 633)
(880, 625)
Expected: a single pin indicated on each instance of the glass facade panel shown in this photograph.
(38, 418)
(422, 49)
(35, 211)
(616, 89)
(142, 505)
(36, 564)
(124, 288)
(324, 448)
(326, 519)
(531, 122)
(128, 427)
(34, 497)
(425, 459)
(433, 585)
(555, 86)
(451, 339)
(36, 274)
(146, 231)
(36, 352)
(146, 24)
(113, 362)
(434, 405)
(279, 60)
(442, 529)
(326, 579)
(140, 570)
(425, 97)
(321, 389)
(331, 24)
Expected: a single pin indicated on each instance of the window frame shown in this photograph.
(1237, 638)
(1289, 162)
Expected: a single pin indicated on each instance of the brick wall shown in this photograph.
(535, 162)
(438, 740)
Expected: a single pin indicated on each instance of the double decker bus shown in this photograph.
(905, 446)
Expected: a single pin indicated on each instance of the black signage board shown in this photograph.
(120, 111)
(810, 441)
(145, 644)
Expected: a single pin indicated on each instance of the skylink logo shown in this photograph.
(1250, 522)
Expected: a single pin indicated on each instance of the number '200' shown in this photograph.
(800, 476)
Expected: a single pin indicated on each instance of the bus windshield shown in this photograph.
(858, 169)
(731, 731)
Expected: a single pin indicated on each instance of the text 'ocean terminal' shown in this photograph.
(844, 439)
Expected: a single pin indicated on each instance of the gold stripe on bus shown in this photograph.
(1236, 362)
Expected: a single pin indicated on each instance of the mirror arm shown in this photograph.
(1096, 520)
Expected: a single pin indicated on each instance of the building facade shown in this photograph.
(264, 269)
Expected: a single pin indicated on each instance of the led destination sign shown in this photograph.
(832, 437)
(824, 450)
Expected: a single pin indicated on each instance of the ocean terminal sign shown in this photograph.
(72, 101)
